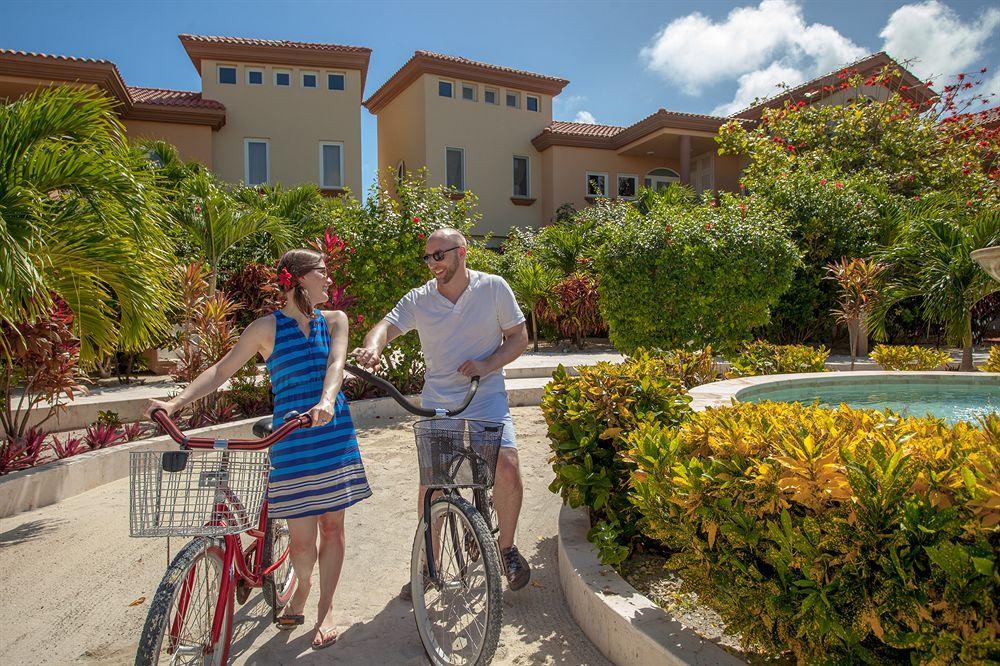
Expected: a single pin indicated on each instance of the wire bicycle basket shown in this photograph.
(196, 493)
(457, 453)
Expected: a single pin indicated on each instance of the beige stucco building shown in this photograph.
(434, 110)
(274, 112)
(287, 113)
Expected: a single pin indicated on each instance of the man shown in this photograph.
(469, 324)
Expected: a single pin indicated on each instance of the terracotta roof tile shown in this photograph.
(55, 57)
(582, 129)
(247, 41)
(486, 65)
(165, 97)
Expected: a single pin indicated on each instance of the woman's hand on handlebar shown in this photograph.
(166, 405)
(321, 414)
(367, 357)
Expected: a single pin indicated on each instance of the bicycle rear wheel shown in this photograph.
(458, 616)
(178, 627)
(279, 585)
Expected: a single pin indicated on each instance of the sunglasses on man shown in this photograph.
(439, 255)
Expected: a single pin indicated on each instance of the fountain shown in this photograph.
(989, 259)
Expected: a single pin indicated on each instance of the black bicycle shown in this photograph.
(455, 564)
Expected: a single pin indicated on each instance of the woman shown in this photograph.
(316, 473)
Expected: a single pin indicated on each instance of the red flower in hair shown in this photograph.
(285, 279)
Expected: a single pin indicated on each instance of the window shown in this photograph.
(331, 164)
(627, 185)
(335, 81)
(255, 77)
(282, 78)
(521, 176)
(469, 92)
(309, 79)
(513, 100)
(455, 169)
(227, 75)
(445, 89)
(531, 103)
(660, 179)
(597, 184)
(256, 162)
(490, 96)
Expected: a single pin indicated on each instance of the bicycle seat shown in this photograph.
(263, 427)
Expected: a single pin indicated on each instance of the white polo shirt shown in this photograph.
(453, 333)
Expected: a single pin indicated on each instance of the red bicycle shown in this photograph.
(215, 491)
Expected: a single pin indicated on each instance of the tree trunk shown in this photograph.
(967, 365)
(853, 329)
(534, 328)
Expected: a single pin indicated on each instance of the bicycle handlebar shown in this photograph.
(406, 404)
(293, 421)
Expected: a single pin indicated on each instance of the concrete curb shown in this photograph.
(62, 479)
(625, 626)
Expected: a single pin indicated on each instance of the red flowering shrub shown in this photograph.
(573, 308)
(252, 289)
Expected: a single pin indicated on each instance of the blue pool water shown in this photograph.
(950, 402)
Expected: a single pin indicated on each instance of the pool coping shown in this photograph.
(726, 392)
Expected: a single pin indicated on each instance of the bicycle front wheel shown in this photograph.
(459, 614)
(178, 627)
(279, 585)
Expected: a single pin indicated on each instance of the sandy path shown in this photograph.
(69, 572)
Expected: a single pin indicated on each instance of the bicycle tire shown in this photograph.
(471, 521)
(278, 586)
(161, 609)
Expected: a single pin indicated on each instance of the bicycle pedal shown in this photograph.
(242, 592)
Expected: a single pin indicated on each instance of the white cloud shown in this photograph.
(694, 52)
(585, 117)
(940, 41)
(761, 83)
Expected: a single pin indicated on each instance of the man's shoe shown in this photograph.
(518, 569)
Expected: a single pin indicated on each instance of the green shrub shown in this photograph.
(684, 275)
(764, 358)
(847, 536)
(692, 367)
(902, 357)
(587, 417)
(993, 360)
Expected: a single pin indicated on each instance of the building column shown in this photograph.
(685, 159)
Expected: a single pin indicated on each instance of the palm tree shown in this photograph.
(217, 219)
(532, 285)
(929, 257)
(80, 218)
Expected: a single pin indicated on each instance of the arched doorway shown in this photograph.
(660, 179)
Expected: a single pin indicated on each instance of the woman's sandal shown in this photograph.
(289, 621)
(327, 638)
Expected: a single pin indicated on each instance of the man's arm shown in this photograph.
(381, 334)
(514, 343)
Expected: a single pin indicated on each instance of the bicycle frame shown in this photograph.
(237, 563)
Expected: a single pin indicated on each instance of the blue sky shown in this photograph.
(624, 60)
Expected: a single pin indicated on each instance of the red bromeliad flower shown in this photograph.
(285, 279)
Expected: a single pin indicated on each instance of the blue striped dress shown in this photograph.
(313, 470)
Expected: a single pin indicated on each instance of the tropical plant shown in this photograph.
(217, 218)
(900, 357)
(857, 280)
(102, 435)
(764, 358)
(929, 257)
(533, 285)
(81, 219)
(588, 417)
(253, 289)
(845, 536)
(693, 367)
(22, 452)
(70, 445)
(573, 309)
(993, 360)
(41, 360)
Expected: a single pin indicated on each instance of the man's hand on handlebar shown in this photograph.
(473, 369)
(368, 357)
